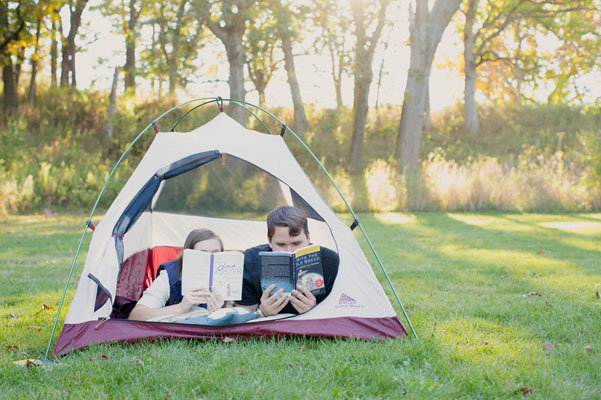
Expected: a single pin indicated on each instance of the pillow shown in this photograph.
(224, 316)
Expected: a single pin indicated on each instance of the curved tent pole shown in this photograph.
(242, 104)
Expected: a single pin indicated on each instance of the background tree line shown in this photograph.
(501, 58)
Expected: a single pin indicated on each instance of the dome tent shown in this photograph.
(141, 229)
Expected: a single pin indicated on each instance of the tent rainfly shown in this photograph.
(150, 218)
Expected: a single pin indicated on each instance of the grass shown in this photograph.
(505, 306)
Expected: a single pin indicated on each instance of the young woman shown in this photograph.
(165, 297)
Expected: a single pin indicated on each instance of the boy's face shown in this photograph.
(283, 241)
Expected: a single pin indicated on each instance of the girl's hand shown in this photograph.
(194, 297)
(214, 301)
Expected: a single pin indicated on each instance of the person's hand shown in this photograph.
(193, 297)
(214, 301)
(302, 299)
(271, 305)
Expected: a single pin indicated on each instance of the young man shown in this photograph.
(287, 230)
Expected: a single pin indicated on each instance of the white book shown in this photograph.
(221, 272)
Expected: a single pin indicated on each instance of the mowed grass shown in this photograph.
(505, 306)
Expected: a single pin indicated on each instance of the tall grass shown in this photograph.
(528, 158)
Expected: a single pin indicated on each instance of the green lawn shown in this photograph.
(505, 305)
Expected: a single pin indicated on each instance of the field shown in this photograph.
(505, 306)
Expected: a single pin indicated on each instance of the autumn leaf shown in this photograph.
(588, 349)
(139, 362)
(37, 328)
(258, 389)
(597, 294)
(526, 391)
(548, 348)
(46, 307)
(294, 364)
(228, 339)
(484, 343)
(532, 294)
(12, 347)
(104, 356)
(540, 252)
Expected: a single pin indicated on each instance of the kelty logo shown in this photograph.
(346, 301)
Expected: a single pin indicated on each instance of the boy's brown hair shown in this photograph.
(287, 216)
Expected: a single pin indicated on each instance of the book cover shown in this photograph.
(276, 269)
(287, 270)
(221, 272)
(309, 269)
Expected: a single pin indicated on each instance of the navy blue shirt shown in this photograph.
(251, 286)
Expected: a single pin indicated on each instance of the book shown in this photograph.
(287, 270)
(220, 271)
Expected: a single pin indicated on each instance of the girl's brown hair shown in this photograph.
(197, 235)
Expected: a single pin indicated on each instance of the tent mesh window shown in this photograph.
(226, 187)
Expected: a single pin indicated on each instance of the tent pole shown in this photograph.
(60, 306)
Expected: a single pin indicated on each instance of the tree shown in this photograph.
(332, 24)
(425, 31)
(227, 20)
(507, 33)
(260, 48)
(287, 22)
(15, 21)
(365, 18)
(68, 76)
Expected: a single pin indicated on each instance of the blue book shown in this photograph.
(287, 270)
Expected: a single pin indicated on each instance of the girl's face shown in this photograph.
(210, 246)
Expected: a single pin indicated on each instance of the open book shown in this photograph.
(221, 272)
(287, 270)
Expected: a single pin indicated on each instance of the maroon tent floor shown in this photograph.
(77, 336)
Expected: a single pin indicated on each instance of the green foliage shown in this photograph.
(525, 158)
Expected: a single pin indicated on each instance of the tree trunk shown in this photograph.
(34, 65)
(425, 30)
(19, 64)
(363, 74)
(230, 33)
(11, 100)
(108, 128)
(53, 55)
(235, 57)
(337, 77)
(427, 108)
(360, 108)
(175, 44)
(130, 47)
(68, 51)
(470, 111)
(300, 118)
(410, 128)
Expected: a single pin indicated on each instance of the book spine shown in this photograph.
(211, 273)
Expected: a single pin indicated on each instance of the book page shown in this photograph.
(228, 268)
(196, 270)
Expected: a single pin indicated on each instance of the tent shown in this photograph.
(170, 193)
